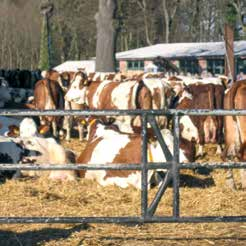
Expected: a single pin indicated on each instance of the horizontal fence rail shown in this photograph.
(172, 167)
(172, 112)
(119, 166)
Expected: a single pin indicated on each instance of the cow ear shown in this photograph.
(193, 140)
(43, 129)
(181, 127)
(86, 82)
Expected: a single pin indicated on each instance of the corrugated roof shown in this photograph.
(177, 50)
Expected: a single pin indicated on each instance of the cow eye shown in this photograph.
(30, 143)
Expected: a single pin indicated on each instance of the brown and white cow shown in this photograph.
(62, 78)
(71, 105)
(204, 129)
(109, 94)
(235, 129)
(106, 145)
(162, 94)
(48, 95)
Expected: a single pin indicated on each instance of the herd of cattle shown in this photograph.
(114, 140)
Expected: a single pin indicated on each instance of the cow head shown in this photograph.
(77, 89)
(50, 74)
(40, 150)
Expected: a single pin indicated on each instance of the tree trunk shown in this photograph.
(106, 36)
(167, 19)
(142, 4)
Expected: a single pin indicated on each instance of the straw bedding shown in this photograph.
(201, 195)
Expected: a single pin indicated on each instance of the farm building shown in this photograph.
(184, 57)
(187, 57)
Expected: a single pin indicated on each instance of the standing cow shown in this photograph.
(110, 94)
(48, 95)
(235, 129)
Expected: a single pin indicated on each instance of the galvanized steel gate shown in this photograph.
(172, 165)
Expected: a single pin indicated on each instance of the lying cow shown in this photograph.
(9, 126)
(50, 152)
(10, 152)
(31, 147)
(106, 145)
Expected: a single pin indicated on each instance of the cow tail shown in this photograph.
(50, 91)
(141, 85)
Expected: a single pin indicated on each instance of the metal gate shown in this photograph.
(173, 167)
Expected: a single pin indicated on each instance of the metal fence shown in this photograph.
(173, 167)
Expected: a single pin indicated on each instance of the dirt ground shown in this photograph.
(201, 195)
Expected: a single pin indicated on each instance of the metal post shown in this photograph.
(144, 191)
(175, 168)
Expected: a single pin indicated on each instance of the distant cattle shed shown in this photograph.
(191, 58)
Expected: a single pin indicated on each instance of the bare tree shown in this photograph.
(169, 16)
(143, 6)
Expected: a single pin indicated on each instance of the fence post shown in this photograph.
(175, 168)
(144, 184)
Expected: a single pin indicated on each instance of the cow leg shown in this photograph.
(230, 180)
(243, 178)
(81, 131)
(67, 126)
(54, 128)
(200, 151)
(219, 149)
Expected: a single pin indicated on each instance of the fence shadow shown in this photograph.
(191, 181)
(212, 240)
(38, 237)
(195, 182)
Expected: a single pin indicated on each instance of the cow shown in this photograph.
(8, 122)
(4, 92)
(10, 152)
(31, 147)
(107, 145)
(235, 129)
(49, 152)
(63, 78)
(110, 94)
(48, 95)
(205, 129)
(162, 95)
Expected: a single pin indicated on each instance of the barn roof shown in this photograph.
(180, 50)
(73, 66)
